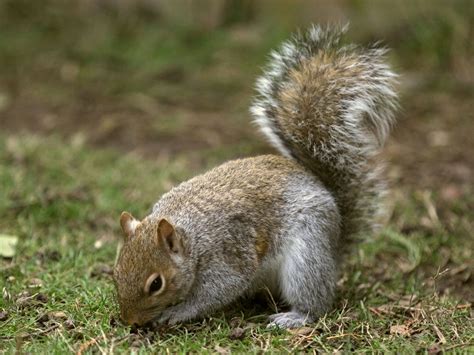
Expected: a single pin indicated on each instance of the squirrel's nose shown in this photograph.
(130, 319)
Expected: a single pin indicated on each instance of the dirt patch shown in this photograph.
(432, 145)
(126, 126)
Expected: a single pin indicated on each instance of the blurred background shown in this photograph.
(163, 77)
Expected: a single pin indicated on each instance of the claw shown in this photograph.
(288, 320)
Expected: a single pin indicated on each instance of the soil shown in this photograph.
(105, 123)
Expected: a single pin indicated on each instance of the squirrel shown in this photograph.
(276, 222)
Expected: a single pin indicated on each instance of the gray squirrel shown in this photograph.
(273, 221)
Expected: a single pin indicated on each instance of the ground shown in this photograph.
(103, 113)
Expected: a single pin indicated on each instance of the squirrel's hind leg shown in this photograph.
(308, 272)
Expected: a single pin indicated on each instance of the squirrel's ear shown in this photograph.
(168, 237)
(128, 224)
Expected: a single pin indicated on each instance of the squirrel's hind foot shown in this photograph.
(287, 320)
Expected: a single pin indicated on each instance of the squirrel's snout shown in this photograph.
(130, 319)
(135, 321)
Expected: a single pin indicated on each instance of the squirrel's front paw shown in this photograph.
(289, 320)
(173, 315)
(161, 319)
(167, 317)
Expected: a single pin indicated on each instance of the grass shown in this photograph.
(63, 201)
(118, 109)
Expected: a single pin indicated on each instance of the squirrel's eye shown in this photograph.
(156, 284)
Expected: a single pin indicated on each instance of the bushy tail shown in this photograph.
(330, 107)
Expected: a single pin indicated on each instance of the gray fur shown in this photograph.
(300, 261)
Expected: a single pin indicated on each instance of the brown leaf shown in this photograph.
(58, 315)
(400, 329)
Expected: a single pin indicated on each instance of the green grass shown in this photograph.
(63, 200)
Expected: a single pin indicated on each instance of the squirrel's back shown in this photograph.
(330, 107)
(252, 188)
